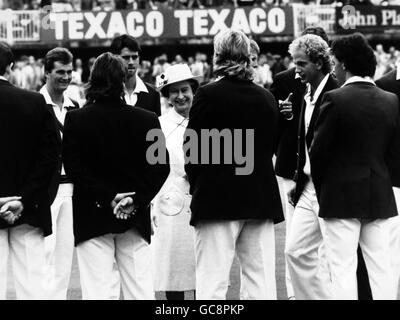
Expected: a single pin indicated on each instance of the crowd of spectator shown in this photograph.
(107, 5)
(28, 71)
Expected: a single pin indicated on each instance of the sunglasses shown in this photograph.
(128, 57)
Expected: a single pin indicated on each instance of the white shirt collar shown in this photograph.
(140, 86)
(358, 79)
(319, 89)
(176, 117)
(398, 71)
(3, 78)
(67, 101)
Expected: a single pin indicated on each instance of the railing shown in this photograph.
(19, 26)
(313, 15)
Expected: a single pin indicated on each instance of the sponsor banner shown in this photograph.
(367, 19)
(101, 25)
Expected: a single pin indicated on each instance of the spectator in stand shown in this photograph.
(145, 72)
(160, 65)
(383, 62)
(138, 4)
(358, 2)
(104, 5)
(245, 3)
(190, 61)
(265, 70)
(39, 74)
(158, 4)
(199, 67)
(61, 6)
(178, 59)
(79, 69)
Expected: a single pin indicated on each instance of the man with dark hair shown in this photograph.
(28, 136)
(137, 92)
(355, 142)
(391, 82)
(60, 245)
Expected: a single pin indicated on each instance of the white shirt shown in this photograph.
(60, 114)
(398, 71)
(2, 78)
(132, 98)
(310, 104)
(358, 79)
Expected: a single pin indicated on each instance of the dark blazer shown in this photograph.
(300, 178)
(104, 153)
(389, 83)
(30, 151)
(218, 193)
(56, 178)
(149, 101)
(286, 159)
(354, 136)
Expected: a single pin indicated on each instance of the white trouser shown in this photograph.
(342, 238)
(395, 241)
(60, 244)
(305, 251)
(133, 257)
(25, 244)
(286, 185)
(215, 245)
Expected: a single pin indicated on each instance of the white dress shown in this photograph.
(173, 241)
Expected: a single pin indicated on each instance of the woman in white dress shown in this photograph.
(173, 245)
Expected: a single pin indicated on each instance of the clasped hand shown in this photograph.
(11, 209)
(123, 205)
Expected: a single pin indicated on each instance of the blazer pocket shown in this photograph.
(171, 202)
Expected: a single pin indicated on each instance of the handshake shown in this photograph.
(123, 205)
(11, 209)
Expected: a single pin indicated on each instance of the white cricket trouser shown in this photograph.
(60, 244)
(285, 185)
(342, 238)
(305, 251)
(395, 241)
(254, 243)
(133, 257)
(25, 246)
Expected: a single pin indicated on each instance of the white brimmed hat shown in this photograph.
(173, 74)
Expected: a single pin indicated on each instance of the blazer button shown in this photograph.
(98, 205)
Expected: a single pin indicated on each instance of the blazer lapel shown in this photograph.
(60, 127)
(330, 85)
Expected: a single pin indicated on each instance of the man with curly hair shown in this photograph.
(305, 251)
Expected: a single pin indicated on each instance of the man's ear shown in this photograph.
(9, 68)
(319, 64)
